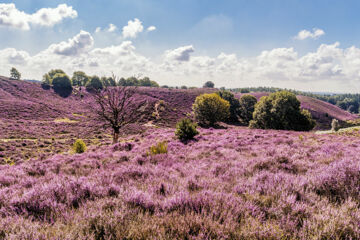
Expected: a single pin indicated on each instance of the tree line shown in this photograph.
(346, 101)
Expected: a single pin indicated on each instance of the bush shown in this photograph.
(210, 109)
(247, 107)
(61, 81)
(159, 148)
(94, 84)
(234, 105)
(79, 146)
(186, 129)
(281, 110)
(209, 84)
(335, 125)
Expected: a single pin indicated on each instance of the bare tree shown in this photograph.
(117, 107)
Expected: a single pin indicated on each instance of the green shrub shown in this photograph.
(234, 104)
(79, 146)
(61, 81)
(210, 109)
(281, 110)
(94, 84)
(209, 84)
(247, 107)
(159, 148)
(335, 125)
(186, 129)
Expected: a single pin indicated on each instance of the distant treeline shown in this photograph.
(348, 102)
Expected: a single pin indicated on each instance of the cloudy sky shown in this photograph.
(302, 44)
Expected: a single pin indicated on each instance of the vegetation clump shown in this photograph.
(210, 108)
(159, 148)
(186, 129)
(281, 110)
(234, 105)
(15, 74)
(79, 146)
(247, 108)
(209, 84)
(335, 125)
(94, 84)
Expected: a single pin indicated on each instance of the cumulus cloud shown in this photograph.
(10, 16)
(181, 54)
(132, 29)
(315, 34)
(151, 28)
(74, 45)
(329, 67)
(111, 28)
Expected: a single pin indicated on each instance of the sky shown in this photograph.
(299, 44)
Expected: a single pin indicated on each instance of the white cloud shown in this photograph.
(74, 45)
(315, 34)
(132, 29)
(151, 28)
(181, 54)
(98, 29)
(329, 68)
(10, 16)
(111, 28)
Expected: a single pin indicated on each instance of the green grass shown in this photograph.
(341, 130)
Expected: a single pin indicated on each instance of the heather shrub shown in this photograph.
(186, 129)
(281, 110)
(210, 109)
(79, 146)
(234, 105)
(247, 106)
(335, 125)
(159, 148)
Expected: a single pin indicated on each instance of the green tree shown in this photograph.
(79, 78)
(234, 104)
(210, 109)
(15, 74)
(281, 110)
(94, 84)
(47, 79)
(61, 81)
(209, 84)
(53, 72)
(247, 107)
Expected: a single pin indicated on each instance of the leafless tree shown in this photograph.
(117, 107)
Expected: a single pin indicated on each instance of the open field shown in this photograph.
(230, 183)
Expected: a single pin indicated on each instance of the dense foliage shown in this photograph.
(186, 129)
(347, 101)
(234, 105)
(15, 74)
(94, 84)
(79, 78)
(281, 110)
(209, 84)
(211, 108)
(79, 146)
(134, 81)
(247, 107)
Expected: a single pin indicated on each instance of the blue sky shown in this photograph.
(253, 42)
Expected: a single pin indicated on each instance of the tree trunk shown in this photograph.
(116, 136)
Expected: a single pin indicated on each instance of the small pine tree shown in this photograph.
(335, 126)
(186, 129)
(79, 146)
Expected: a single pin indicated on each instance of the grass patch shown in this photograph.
(65, 120)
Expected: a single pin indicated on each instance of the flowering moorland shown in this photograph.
(230, 183)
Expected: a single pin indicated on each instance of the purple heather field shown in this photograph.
(230, 183)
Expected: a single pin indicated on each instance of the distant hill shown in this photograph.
(28, 101)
